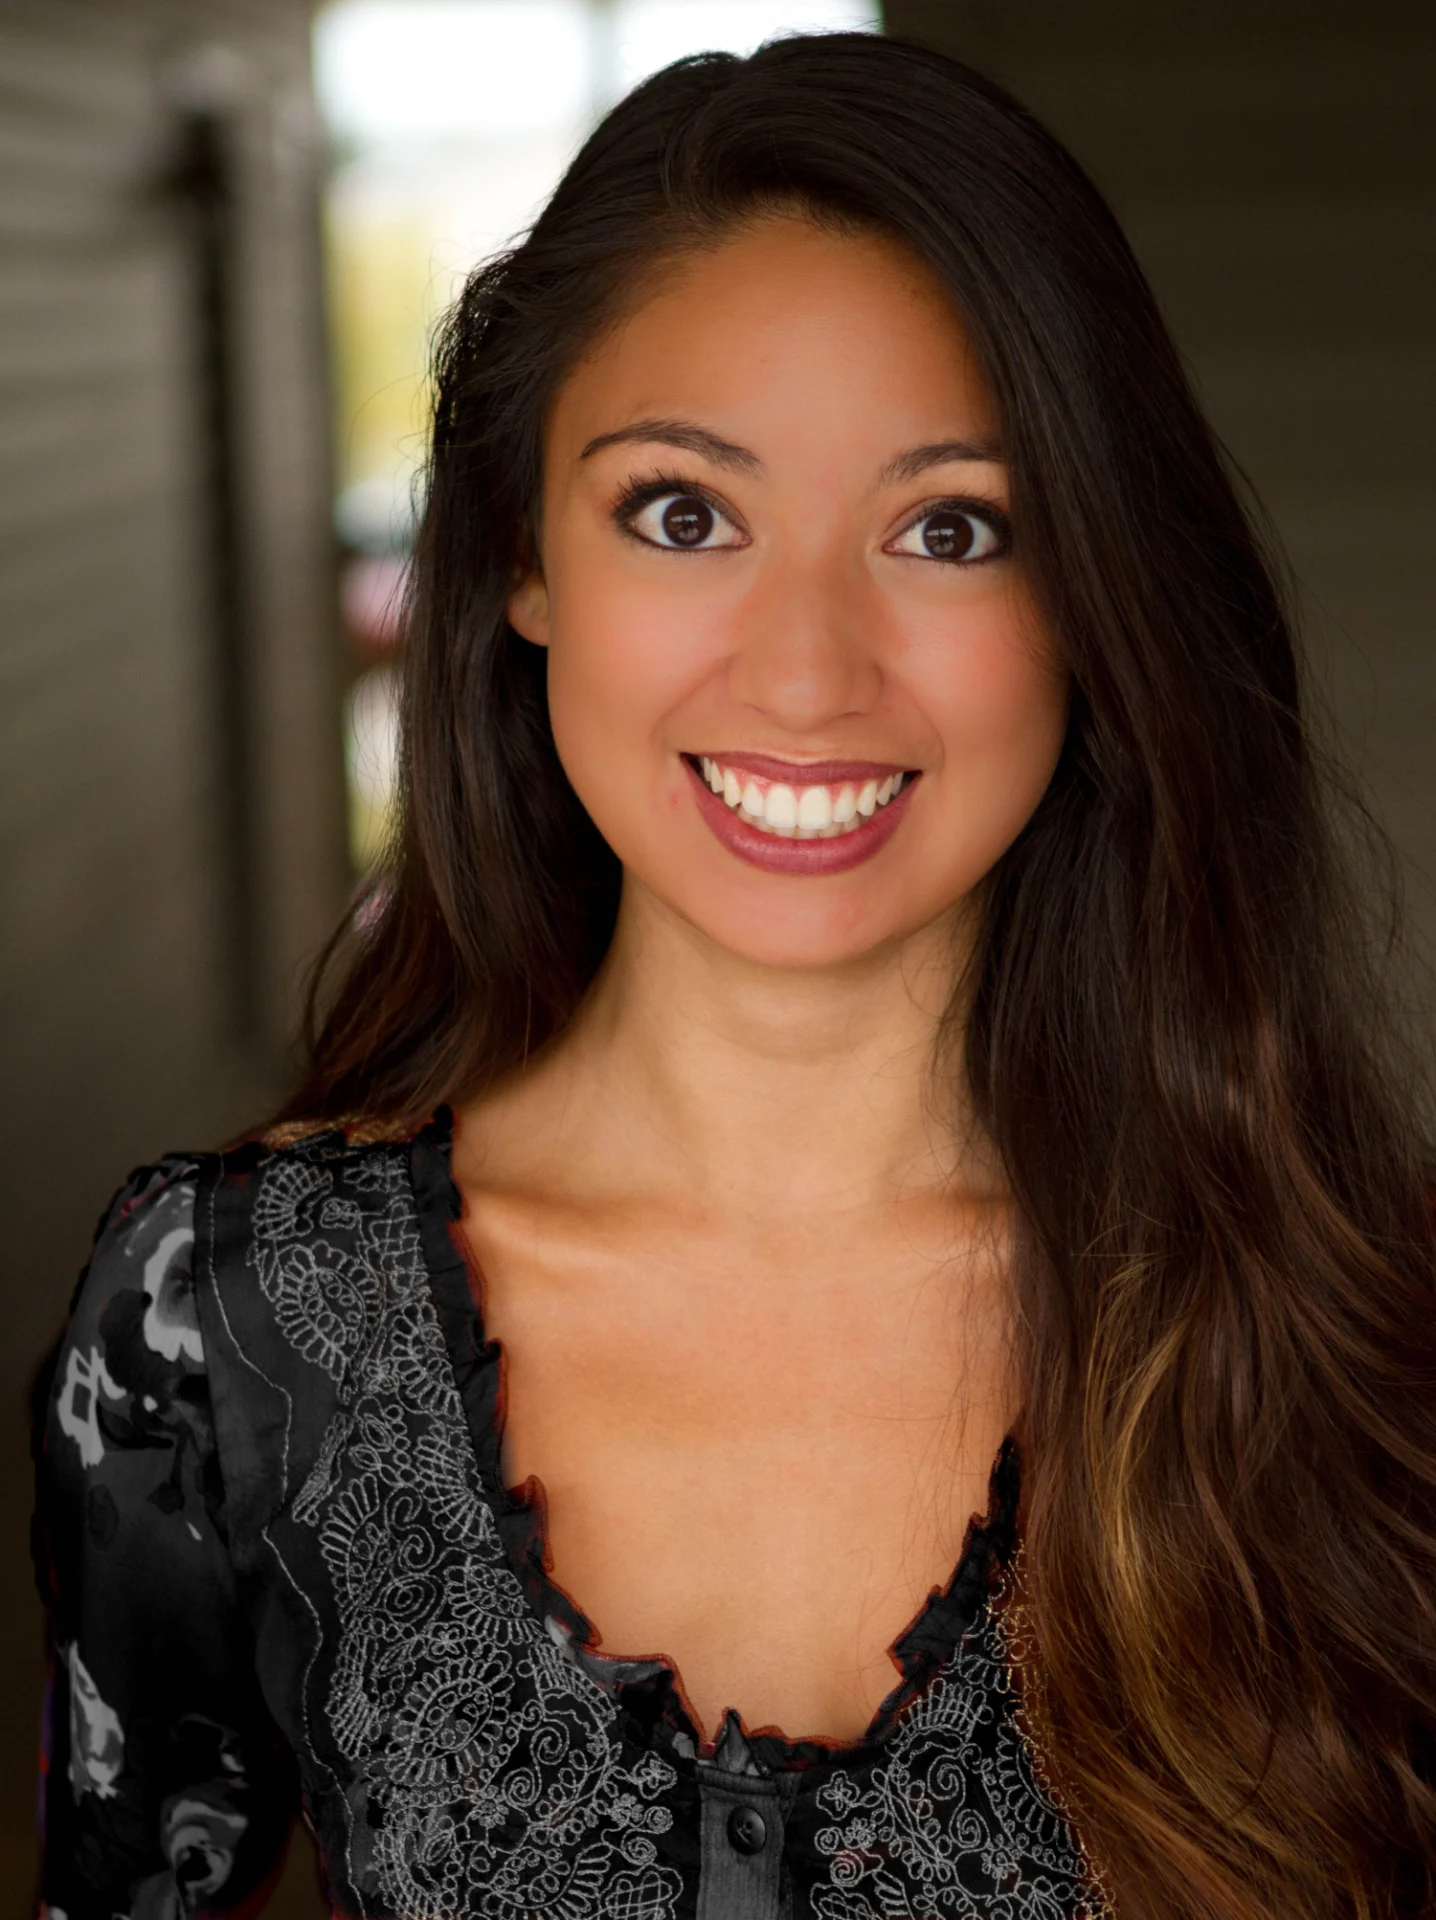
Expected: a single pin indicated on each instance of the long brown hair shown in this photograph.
(1226, 1288)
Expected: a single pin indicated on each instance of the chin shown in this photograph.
(760, 932)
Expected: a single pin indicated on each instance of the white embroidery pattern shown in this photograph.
(486, 1774)
(952, 1822)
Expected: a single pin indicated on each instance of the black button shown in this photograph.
(747, 1830)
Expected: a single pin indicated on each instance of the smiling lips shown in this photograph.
(820, 818)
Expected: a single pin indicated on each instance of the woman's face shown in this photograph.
(794, 673)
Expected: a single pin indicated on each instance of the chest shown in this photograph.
(756, 1460)
(454, 1753)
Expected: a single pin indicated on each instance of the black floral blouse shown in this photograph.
(284, 1575)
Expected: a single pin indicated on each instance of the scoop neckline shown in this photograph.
(648, 1692)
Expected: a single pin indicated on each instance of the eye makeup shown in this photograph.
(955, 508)
(638, 494)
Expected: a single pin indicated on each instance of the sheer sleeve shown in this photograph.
(167, 1789)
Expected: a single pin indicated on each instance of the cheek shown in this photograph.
(998, 698)
(622, 658)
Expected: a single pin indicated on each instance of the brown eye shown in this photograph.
(683, 522)
(953, 533)
(949, 536)
(687, 522)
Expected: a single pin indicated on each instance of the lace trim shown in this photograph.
(651, 1690)
(1029, 1693)
(484, 1769)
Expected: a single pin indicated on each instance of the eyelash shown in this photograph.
(982, 511)
(638, 494)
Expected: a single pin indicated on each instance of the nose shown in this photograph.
(805, 654)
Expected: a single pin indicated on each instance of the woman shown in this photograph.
(847, 1152)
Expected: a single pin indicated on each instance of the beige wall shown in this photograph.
(117, 931)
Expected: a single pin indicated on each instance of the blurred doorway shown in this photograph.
(450, 123)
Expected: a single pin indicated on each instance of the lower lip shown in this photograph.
(776, 854)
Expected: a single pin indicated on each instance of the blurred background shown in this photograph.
(226, 228)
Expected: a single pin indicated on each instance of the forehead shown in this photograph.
(779, 328)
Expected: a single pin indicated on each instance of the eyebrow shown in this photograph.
(692, 438)
(907, 466)
(683, 434)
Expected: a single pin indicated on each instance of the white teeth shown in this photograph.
(780, 809)
(815, 808)
(802, 813)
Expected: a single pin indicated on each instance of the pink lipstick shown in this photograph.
(816, 817)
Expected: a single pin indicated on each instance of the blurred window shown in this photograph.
(450, 122)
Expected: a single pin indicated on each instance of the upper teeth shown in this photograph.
(800, 813)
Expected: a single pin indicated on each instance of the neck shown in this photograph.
(790, 1090)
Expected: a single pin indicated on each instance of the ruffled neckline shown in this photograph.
(648, 1693)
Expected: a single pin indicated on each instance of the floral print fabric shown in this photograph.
(280, 1559)
(167, 1788)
